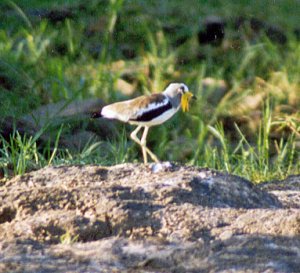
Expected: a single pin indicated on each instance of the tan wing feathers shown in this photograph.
(129, 109)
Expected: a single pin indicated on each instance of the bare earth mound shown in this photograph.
(127, 219)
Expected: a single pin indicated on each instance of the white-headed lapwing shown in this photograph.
(147, 111)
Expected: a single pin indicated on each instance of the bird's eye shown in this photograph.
(182, 89)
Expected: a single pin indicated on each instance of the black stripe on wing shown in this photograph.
(151, 114)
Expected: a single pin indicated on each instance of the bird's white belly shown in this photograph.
(158, 120)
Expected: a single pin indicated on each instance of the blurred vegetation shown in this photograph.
(246, 120)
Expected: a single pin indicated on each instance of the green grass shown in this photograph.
(252, 130)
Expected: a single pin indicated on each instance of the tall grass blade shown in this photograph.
(20, 12)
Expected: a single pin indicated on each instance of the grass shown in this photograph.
(251, 128)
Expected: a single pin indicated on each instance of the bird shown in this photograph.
(147, 111)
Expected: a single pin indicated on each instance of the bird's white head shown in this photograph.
(180, 92)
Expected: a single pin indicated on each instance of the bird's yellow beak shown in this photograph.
(185, 100)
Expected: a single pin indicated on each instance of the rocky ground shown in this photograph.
(128, 218)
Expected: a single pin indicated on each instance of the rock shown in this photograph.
(125, 87)
(257, 26)
(63, 109)
(214, 89)
(129, 218)
(55, 14)
(211, 30)
(158, 167)
(76, 114)
(180, 33)
(287, 190)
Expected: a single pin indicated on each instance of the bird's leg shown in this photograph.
(145, 149)
(133, 135)
(144, 143)
(138, 141)
(143, 146)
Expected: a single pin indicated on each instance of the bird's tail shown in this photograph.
(96, 114)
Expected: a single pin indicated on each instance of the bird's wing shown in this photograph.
(143, 108)
(152, 107)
